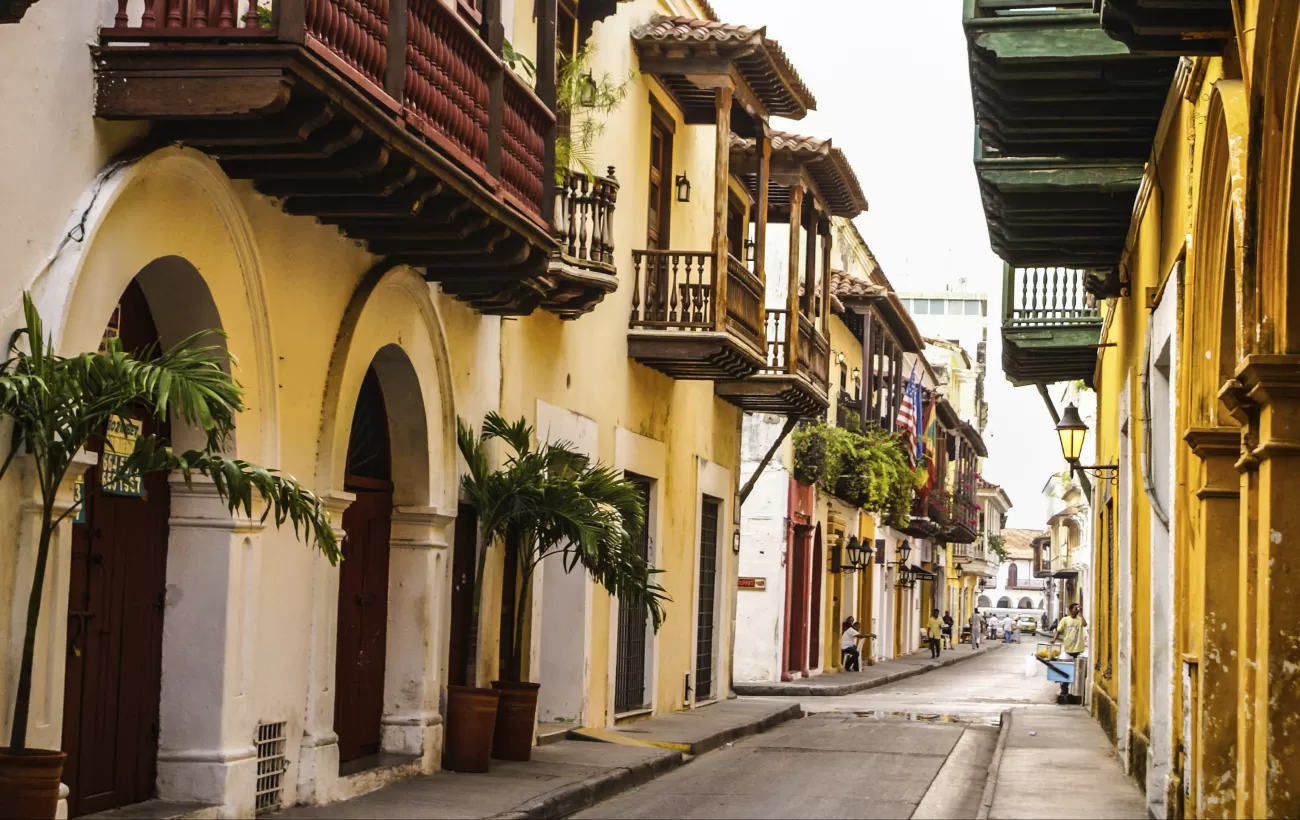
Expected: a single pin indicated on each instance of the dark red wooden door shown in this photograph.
(463, 569)
(798, 625)
(363, 580)
(815, 603)
(363, 616)
(116, 592)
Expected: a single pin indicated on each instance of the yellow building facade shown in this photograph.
(1193, 655)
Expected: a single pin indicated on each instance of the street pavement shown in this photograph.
(921, 747)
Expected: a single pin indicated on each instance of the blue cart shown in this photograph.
(1063, 671)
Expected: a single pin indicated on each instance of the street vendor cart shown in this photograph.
(1069, 672)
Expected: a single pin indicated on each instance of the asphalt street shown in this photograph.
(917, 748)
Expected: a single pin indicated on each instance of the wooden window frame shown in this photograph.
(661, 121)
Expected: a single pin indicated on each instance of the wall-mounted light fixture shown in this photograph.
(749, 250)
(683, 188)
(735, 541)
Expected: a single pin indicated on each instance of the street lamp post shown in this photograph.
(1072, 431)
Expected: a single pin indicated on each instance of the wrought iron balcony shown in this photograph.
(1180, 27)
(676, 325)
(391, 119)
(582, 269)
(1049, 328)
(790, 385)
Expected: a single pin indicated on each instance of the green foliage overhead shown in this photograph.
(998, 544)
(549, 499)
(867, 469)
(587, 101)
(57, 404)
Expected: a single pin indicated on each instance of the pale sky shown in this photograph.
(893, 92)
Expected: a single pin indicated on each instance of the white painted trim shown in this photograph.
(648, 458)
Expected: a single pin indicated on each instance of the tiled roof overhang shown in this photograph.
(675, 48)
(827, 166)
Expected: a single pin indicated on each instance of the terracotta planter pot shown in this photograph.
(471, 722)
(29, 784)
(516, 720)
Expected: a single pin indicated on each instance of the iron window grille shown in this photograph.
(271, 766)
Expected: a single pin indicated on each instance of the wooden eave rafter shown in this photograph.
(817, 165)
(1171, 27)
(690, 58)
(12, 11)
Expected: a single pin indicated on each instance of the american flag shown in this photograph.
(906, 411)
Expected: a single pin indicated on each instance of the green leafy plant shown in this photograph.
(998, 544)
(549, 499)
(583, 102)
(867, 469)
(58, 404)
(521, 64)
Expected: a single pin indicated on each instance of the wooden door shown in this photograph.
(630, 657)
(815, 603)
(798, 596)
(363, 581)
(117, 583)
(464, 567)
(708, 593)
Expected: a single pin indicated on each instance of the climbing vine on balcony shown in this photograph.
(867, 469)
(998, 544)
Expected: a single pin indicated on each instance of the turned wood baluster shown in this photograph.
(672, 290)
(200, 14)
(120, 20)
(173, 14)
(708, 280)
(584, 214)
(149, 19)
(226, 14)
(251, 18)
(636, 286)
(571, 210)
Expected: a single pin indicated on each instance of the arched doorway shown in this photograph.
(1025, 603)
(983, 601)
(1004, 602)
(116, 597)
(363, 578)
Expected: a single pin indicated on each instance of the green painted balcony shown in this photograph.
(1177, 27)
(1050, 328)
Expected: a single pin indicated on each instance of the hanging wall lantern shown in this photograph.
(683, 188)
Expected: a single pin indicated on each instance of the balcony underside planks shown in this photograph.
(307, 132)
(782, 393)
(703, 355)
(1045, 355)
(1056, 85)
(1053, 212)
(1178, 27)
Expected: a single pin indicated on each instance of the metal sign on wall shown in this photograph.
(119, 443)
(751, 583)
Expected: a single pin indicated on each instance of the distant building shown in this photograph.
(959, 316)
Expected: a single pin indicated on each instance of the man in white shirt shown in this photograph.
(849, 646)
(976, 629)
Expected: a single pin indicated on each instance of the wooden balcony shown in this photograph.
(391, 119)
(790, 385)
(1177, 27)
(1049, 329)
(581, 269)
(676, 325)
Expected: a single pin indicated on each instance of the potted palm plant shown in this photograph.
(56, 406)
(546, 500)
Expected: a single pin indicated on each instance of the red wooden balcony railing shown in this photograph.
(432, 71)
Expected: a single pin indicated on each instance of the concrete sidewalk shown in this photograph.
(566, 776)
(1056, 762)
(882, 673)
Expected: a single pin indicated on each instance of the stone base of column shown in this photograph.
(220, 777)
(415, 735)
(318, 768)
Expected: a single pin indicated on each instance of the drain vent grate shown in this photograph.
(270, 766)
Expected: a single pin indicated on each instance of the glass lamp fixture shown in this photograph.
(683, 188)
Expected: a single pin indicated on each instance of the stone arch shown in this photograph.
(1221, 333)
(1004, 602)
(172, 222)
(1272, 213)
(1025, 603)
(122, 228)
(983, 601)
(392, 326)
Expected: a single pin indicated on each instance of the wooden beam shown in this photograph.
(760, 227)
(826, 282)
(721, 188)
(790, 423)
(792, 288)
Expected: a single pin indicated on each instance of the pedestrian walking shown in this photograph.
(947, 630)
(935, 632)
(851, 656)
(976, 629)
